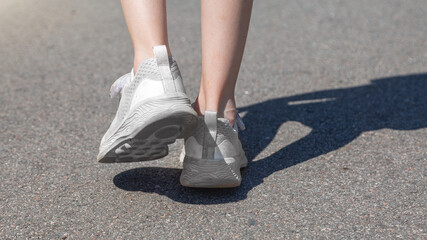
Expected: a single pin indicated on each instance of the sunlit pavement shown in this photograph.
(333, 94)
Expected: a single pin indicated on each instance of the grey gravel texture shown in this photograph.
(333, 93)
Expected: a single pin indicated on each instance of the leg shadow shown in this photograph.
(336, 117)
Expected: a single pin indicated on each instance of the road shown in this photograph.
(333, 94)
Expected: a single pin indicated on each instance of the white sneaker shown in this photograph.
(213, 154)
(153, 111)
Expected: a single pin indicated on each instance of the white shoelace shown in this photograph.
(239, 123)
(118, 85)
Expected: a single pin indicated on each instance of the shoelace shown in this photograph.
(117, 87)
(239, 123)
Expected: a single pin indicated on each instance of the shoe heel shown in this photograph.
(203, 173)
(150, 143)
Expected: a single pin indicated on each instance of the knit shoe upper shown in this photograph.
(213, 154)
(155, 94)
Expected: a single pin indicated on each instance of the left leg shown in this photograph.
(225, 26)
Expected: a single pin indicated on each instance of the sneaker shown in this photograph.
(213, 154)
(153, 111)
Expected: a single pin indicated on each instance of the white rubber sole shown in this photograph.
(203, 173)
(149, 140)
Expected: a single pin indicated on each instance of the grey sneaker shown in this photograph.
(153, 111)
(213, 154)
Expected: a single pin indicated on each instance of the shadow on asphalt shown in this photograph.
(336, 117)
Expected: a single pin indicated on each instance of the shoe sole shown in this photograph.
(202, 173)
(151, 142)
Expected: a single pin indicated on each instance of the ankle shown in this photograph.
(226, 109)
(139, 57)
(142, 54)
(230, 114)
(230, 111)
(199, 106)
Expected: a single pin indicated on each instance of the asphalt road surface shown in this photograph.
(333, 93)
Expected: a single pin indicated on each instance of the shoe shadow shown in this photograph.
(336, 117)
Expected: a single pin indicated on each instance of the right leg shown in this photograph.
(213, 154)
(146, 21)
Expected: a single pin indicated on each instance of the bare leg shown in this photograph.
(146, 21)
(225, 26)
